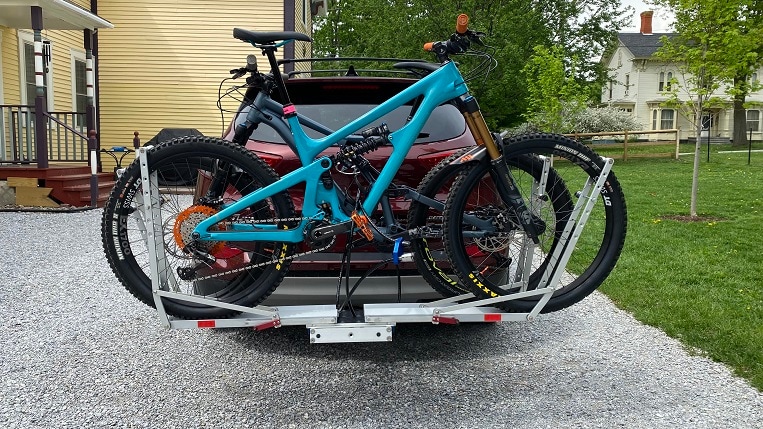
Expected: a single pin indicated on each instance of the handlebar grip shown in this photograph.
(462, 23)
(428, 46)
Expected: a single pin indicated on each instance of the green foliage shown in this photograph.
(554, 93)
(398, 29)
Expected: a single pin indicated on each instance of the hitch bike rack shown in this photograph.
(325, 324)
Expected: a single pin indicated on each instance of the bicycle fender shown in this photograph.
(476, 154)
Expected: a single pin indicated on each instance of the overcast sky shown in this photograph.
(660, 22)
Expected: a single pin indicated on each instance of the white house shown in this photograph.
(637, 81)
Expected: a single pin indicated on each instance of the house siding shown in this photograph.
(10, 63)
(161, 66)
(303, 23)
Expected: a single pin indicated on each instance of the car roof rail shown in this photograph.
(351, 70)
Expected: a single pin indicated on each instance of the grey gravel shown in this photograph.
(78, 351)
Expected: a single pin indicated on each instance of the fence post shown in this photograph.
(625, 147)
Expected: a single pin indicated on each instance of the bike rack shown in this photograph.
(324, 322)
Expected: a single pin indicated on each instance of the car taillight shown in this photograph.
(432, 159)
(270, 159)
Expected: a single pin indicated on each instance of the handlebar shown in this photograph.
(459, 41)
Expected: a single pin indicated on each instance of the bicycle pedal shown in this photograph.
(361, 221)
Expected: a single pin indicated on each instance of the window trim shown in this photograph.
(25, 38)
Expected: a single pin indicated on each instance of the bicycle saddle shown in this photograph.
(268, 37)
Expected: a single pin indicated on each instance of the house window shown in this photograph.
(29, 81)
(79, 89)
(666, 119)
(627, 83)
(610, 89)
(664, 84)
(753, 120)
(654, 119)
(26, 64)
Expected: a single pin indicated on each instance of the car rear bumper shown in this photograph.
(378, 289)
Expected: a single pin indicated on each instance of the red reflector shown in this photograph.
(492, 317)
(205, 324)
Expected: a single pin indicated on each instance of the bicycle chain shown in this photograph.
(262, 264)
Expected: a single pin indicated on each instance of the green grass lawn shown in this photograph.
(701, 282)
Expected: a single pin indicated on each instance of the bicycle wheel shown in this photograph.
(493, 264)
(242, 273)
(429, 251)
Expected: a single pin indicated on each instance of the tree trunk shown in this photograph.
(739, 131)
(695, 174)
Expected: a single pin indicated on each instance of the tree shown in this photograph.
(735, 47)
(394, 28)
(700, 67)
(555, 96)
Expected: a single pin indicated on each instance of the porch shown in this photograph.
(58, 149)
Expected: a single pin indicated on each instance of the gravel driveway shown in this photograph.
(78, 351)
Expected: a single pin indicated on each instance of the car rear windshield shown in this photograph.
(445, 123)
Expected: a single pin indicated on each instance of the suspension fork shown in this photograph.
(504, 181)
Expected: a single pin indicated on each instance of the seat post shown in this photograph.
(270, 52)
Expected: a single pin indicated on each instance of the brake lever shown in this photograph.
(237, 73)
(476, 36)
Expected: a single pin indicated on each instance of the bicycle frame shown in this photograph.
(440, 86)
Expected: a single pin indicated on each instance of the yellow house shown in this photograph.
(58, 33)
(162, 64)
(156, 65)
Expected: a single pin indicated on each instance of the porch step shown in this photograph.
(75, 189)
(70, 184)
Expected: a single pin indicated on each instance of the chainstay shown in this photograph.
(262, 264)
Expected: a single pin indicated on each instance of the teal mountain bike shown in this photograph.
(499, 220)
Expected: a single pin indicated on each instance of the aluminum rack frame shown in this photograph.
(324, 322)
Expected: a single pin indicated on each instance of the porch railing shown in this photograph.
(66, 132)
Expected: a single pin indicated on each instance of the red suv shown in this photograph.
(334, 101)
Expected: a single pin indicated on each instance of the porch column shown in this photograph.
(40, 108)
(92, 136)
